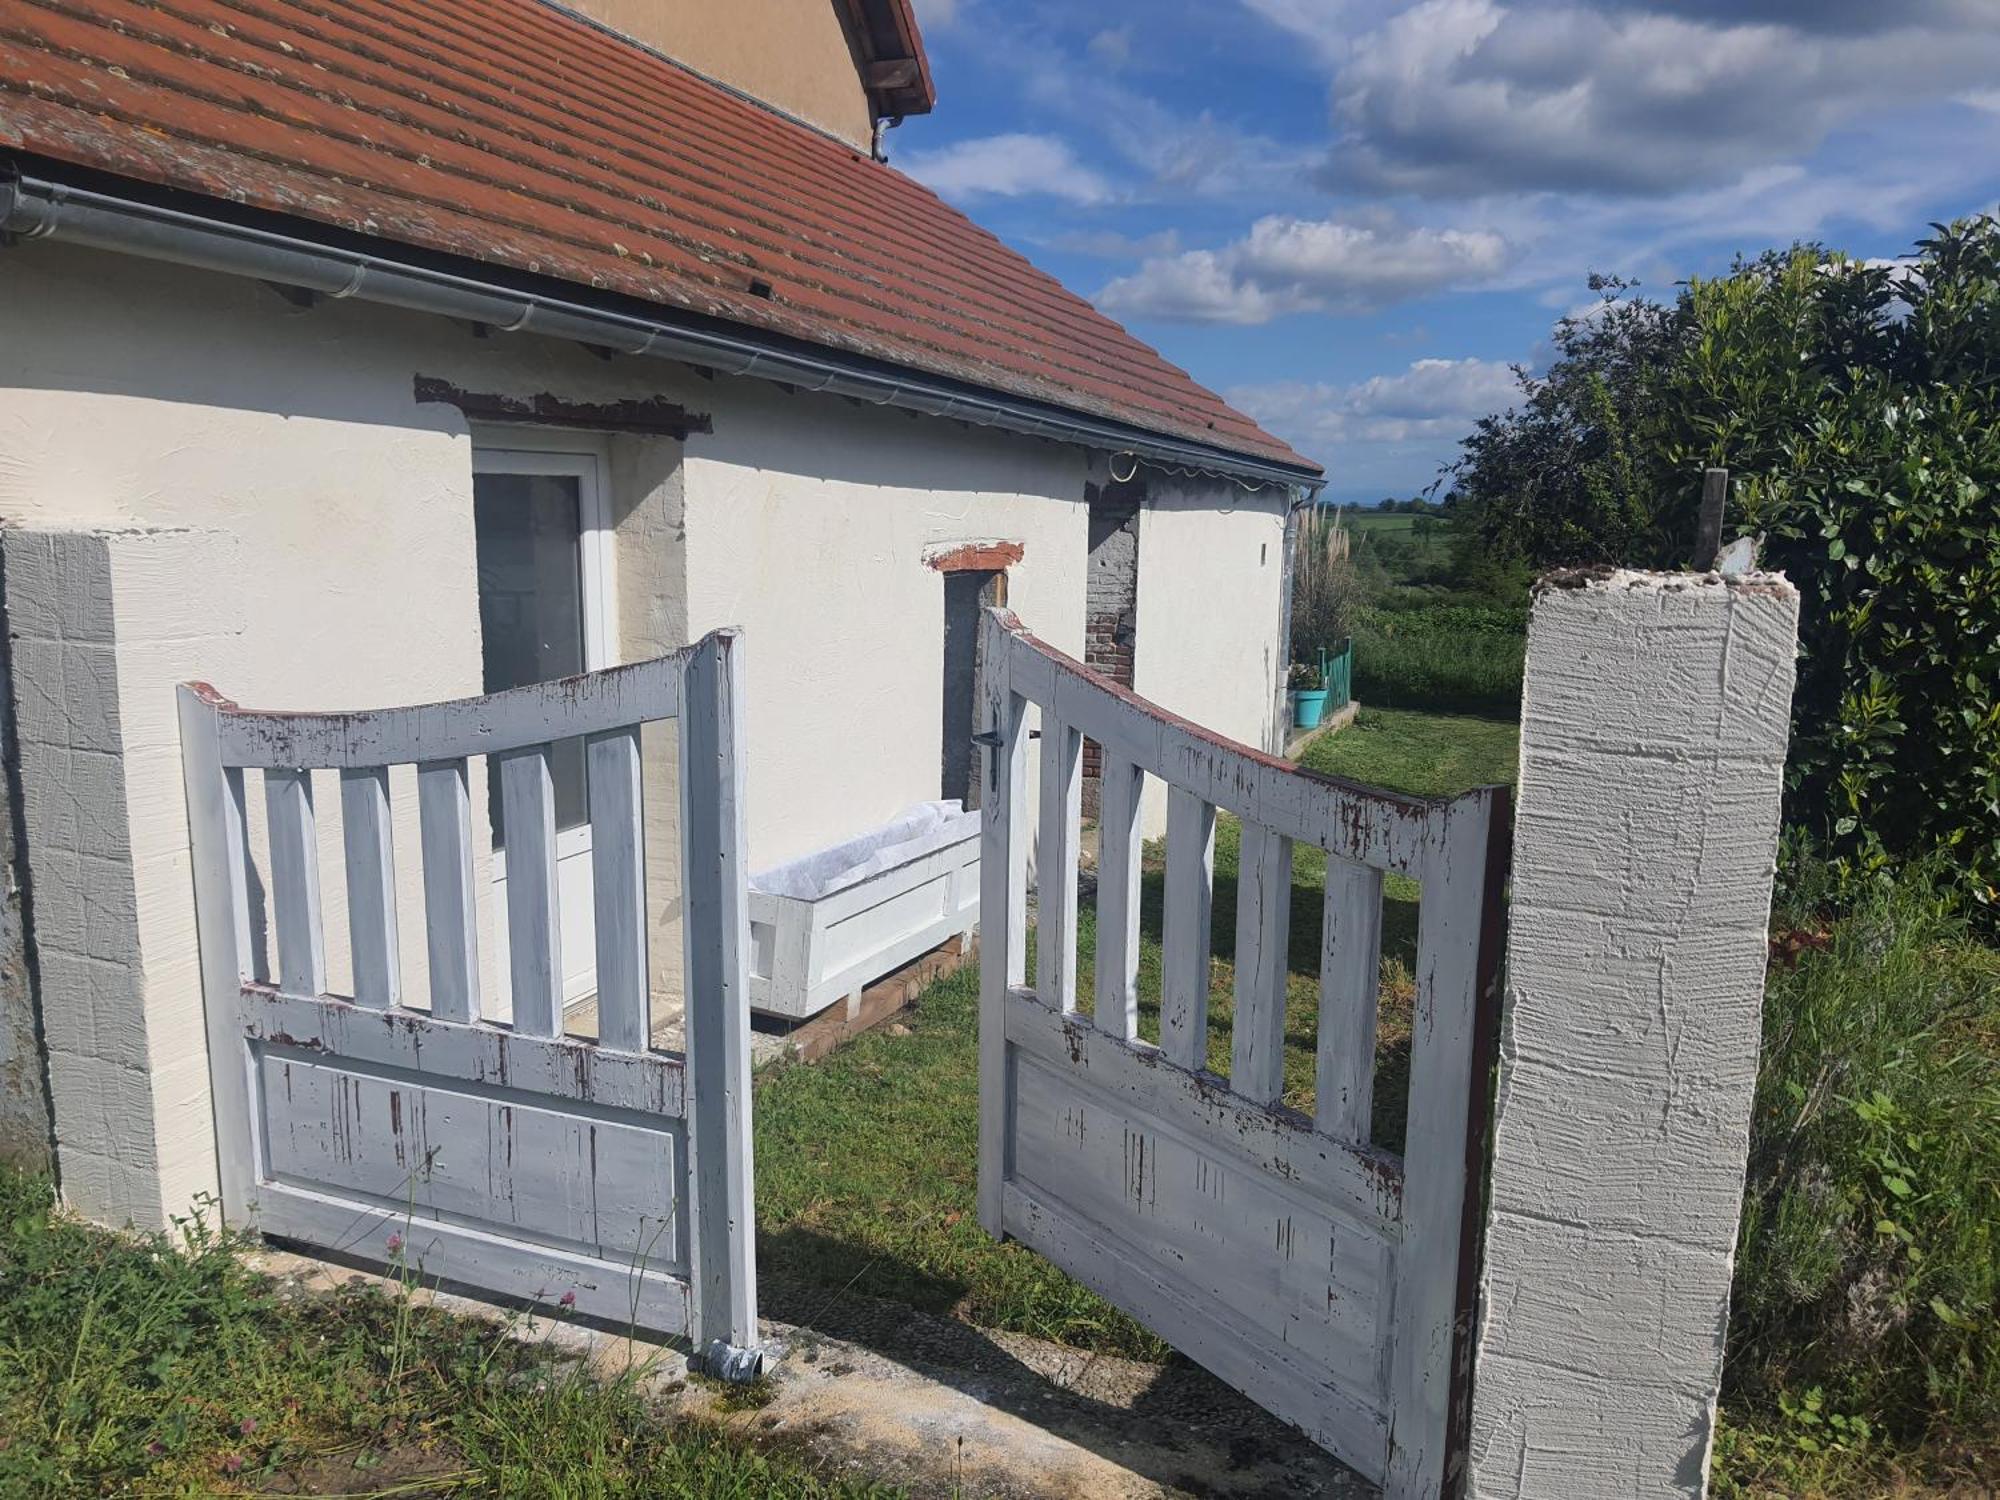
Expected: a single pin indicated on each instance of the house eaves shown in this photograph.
(34, 207)
(512, 142)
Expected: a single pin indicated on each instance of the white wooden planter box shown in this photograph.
(806, 954)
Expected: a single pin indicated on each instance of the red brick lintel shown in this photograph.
(977, 557)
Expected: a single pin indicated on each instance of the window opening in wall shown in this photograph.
(966, 592)
(541, 531)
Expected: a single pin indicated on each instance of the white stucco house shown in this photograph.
(369, 354)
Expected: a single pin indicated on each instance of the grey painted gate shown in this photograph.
(508, 1158)
(1327, 1279)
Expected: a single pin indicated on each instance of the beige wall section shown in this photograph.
(278, 515)
(649, 512)
(789, 53)
(809, 523)
(1211, 579)
(293, 530)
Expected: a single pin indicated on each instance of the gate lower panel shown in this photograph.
(1268, 1273)
(391, 1135)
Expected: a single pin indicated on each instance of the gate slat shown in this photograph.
(1263, 923)
(371, 886)
(1003, 926)
(1062, 817)
(451, 934)
(534, 930)
(1186, 923)
(288, 808)
(239, 874)
(1457, 951)
(618, 872)
(716, 939)
(1350, 971)
(1119, 844)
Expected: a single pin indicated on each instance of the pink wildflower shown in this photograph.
(232, 1463)
(247, 1426)
(568, 1299)
(394, 1242)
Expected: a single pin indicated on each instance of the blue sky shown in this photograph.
(1354, 216)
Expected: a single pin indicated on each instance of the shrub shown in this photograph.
(1868, 1274)
(1325, 588)
(1433, 658)
(1857, 407)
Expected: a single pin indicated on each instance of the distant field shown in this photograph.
(1376, 520)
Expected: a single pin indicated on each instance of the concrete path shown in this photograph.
(957, 1413)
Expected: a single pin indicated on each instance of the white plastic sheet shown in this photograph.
(912, 833)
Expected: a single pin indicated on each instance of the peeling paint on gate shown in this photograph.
(1359, 1344)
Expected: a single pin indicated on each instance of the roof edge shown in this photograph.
(889, 47)
(49, 208)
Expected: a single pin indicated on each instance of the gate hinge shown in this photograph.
(722, 1360)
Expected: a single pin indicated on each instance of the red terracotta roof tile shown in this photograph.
(513, 132)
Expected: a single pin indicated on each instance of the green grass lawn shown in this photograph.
(866, 1161)
(1430, 755)
(163, 1366)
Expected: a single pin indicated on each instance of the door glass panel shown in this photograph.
(528, 529)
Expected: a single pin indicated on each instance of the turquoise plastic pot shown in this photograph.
(1308, 708)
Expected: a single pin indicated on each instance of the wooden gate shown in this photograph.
(510, 1159)
(1327, 1279)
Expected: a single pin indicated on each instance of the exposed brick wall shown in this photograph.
(1111, 602)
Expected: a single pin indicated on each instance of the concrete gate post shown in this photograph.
(1653, 740)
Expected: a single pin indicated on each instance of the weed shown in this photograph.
(1866, 1311)
(1437, 658)
(162, 1364)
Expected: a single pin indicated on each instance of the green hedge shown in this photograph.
(1462, 658)
(1857, 407)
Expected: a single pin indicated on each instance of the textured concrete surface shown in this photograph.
(72, 760)
(877, 1390)
(1655, 721)
(26, 1130)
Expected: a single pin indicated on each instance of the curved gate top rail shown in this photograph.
(509, 1158)
(1328, 1279)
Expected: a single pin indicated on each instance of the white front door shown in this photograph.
(542, 531)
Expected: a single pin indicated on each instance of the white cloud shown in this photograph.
(1178, 153)
(936, 12)
(1007, 166)
(1286, 265)
(1475, 96)
(1388, 429)
(1433, 398)
(1327, 24)
(1112, 46)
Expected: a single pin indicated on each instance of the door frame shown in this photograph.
(586, 457)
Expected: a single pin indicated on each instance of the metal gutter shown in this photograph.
(35, 208)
